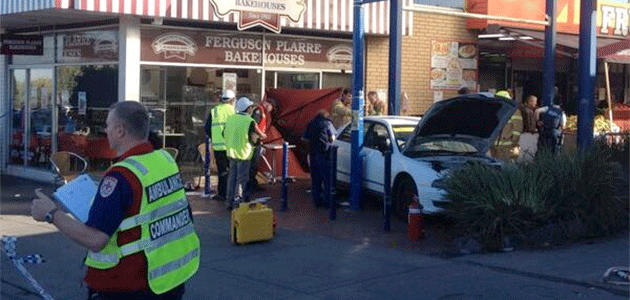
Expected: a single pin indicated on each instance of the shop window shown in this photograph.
(88, 46)
(179, 100)
(84, 95)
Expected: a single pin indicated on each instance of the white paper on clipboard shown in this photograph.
(77, 196)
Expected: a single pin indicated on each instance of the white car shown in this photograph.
(451, 133)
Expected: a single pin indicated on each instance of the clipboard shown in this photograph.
(77, 196)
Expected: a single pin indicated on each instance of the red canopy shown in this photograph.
(294, 109)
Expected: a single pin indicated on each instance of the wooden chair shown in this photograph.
(68, 165)
(172, 151)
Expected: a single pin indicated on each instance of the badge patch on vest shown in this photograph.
(108, 186)
(169, 224)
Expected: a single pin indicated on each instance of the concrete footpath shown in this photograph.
(312, 257)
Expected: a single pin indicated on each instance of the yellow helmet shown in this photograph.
(504, 94)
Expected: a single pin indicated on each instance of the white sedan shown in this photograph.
(451, 133)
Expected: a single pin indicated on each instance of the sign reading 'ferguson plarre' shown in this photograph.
(245, 49)
(266, 13)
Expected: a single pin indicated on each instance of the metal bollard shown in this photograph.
(331, 191)
(206, 168)
(285, 171)
(387, 198)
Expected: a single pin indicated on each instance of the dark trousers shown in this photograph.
(320, 176)
(223, 166)
(174, 294)
(253, 184)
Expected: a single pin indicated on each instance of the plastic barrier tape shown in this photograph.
(8, 246)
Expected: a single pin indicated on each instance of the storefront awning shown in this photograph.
(618, 52)
(567, 44)
(328, 15)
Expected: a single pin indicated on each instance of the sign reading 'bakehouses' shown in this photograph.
(245, 49)
(265, 13)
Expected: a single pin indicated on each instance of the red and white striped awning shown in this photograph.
(329, 15)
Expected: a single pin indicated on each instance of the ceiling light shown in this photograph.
(490, 35)
(507, 38)
(525, 37)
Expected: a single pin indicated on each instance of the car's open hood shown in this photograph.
(476, 119)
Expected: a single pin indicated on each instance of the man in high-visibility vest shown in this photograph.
(140, 235)
(215, 124)
(241, 134)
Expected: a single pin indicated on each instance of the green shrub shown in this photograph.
(490, 203)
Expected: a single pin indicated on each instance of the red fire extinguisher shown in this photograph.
(415, 222)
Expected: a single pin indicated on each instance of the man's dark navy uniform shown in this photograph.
(320, 134)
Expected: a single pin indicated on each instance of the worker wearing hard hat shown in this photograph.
(214, 129)
(241, 134)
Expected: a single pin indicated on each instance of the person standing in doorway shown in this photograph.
(507, 147)
(241, 134)
(126, 260)
(262, 116)
(320, 135)
(215, 124)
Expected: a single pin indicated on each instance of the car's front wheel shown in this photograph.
(403, 193)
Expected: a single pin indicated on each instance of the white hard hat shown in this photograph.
(242, 104)
(228, 94)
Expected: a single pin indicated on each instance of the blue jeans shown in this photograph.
(320, 176)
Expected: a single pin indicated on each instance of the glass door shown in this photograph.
(40, 120)
(19, 86)
(31, 129)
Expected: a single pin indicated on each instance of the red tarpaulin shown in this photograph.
(294, 109)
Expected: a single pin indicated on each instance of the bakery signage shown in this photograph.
(89, 45)
(245, 49)
(266, 13)
(22, 44)
(453, 65)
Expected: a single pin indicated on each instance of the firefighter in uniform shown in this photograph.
(140, 235)
(507, 147)
(214, 129)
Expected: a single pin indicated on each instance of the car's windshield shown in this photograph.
(431, 148)
(402, 133)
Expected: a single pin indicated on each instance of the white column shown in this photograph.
(5, 113)
(129, 59)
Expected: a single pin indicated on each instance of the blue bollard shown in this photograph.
(387, 179)
(206, 168)
(331, 192)
(285, 171)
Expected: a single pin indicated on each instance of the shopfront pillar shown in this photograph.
(5, 113)
(129, 59)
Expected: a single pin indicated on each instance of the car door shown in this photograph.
(344, 144)
(373, 159)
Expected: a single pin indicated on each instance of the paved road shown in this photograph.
(304, 262)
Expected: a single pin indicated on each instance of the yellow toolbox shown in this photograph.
(252, 222)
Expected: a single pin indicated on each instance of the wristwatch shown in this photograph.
(50, 216)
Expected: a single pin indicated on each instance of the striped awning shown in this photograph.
(329, 15)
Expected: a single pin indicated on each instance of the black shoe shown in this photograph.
(218, 198)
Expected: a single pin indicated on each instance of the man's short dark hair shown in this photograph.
(134, 116)
(463, 91)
